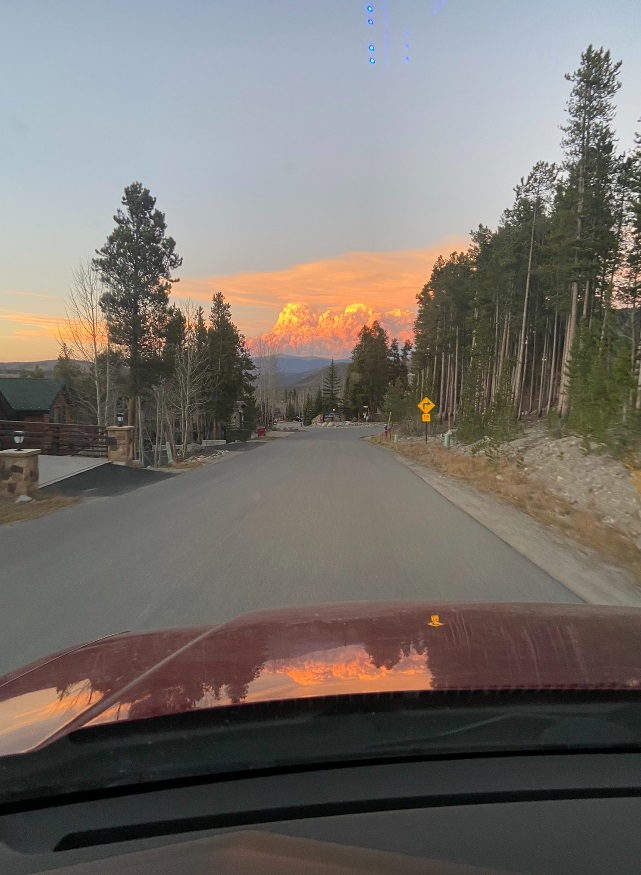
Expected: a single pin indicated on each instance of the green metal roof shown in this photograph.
(26, 395)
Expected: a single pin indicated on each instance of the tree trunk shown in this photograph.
(141, 445)
(455, 374)
(521, 352)
(505, 343)
(440, 395)
(564, 398)
(498, 348)
(553, 359)
(533, 369)
(544, 359)
(586, 300)
(108, 384)
(170, 436)
(633, 327)
(96, 371)
(132, 405)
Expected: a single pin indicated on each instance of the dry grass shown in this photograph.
(183, 466)
(636, 478)
(530, 496)
(10, 512)
(189, 464)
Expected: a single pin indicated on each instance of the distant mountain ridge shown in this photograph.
(311, 380)
(47, 365)
(16, 367)
(300, 364)
(302, 372)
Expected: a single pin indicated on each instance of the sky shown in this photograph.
(310, 186)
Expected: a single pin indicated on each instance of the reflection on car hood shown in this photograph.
(321, 650)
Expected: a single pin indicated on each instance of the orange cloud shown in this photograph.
(300, 328)
(347, 290)
(30, 324)
(382, 281)
(27, 336)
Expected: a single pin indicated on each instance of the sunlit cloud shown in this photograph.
(33, 320)
(383, 281)
(341, 295)
(28, 336)
(300, 328)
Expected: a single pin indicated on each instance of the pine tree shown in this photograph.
(331, 388)
(308, 409)
(369, 369)
(136, 265)
(230, 377)
(589, 162)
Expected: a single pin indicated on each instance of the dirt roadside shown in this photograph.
(12, 512)
(599, 562)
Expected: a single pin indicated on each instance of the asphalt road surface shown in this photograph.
(313, 517)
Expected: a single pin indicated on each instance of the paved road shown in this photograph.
(312, 517)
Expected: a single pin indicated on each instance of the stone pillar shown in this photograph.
(19, 472)
(121, 443)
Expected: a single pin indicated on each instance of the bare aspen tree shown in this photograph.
(267, 384)
(84, 333)
(190, 375)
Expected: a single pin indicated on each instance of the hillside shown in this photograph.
(300, 372)
(300, 364)
(8, 369)
(310, 381)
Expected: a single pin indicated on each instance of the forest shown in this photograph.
(540, 316)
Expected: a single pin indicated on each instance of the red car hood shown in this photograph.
(318, 651)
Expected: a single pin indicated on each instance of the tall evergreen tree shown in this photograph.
(369, 369)
(230, 377)
(331, 387)
(136, 265)
(590, 164)
(308, 408)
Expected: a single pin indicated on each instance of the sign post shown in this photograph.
(425, 406)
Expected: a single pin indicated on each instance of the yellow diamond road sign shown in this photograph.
(426, 405)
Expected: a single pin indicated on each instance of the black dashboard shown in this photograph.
(536, 813)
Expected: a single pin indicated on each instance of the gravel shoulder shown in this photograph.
(592, 481)
(581, 529)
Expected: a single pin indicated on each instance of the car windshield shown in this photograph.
(320, 382)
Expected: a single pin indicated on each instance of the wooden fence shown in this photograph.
(55, 438)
